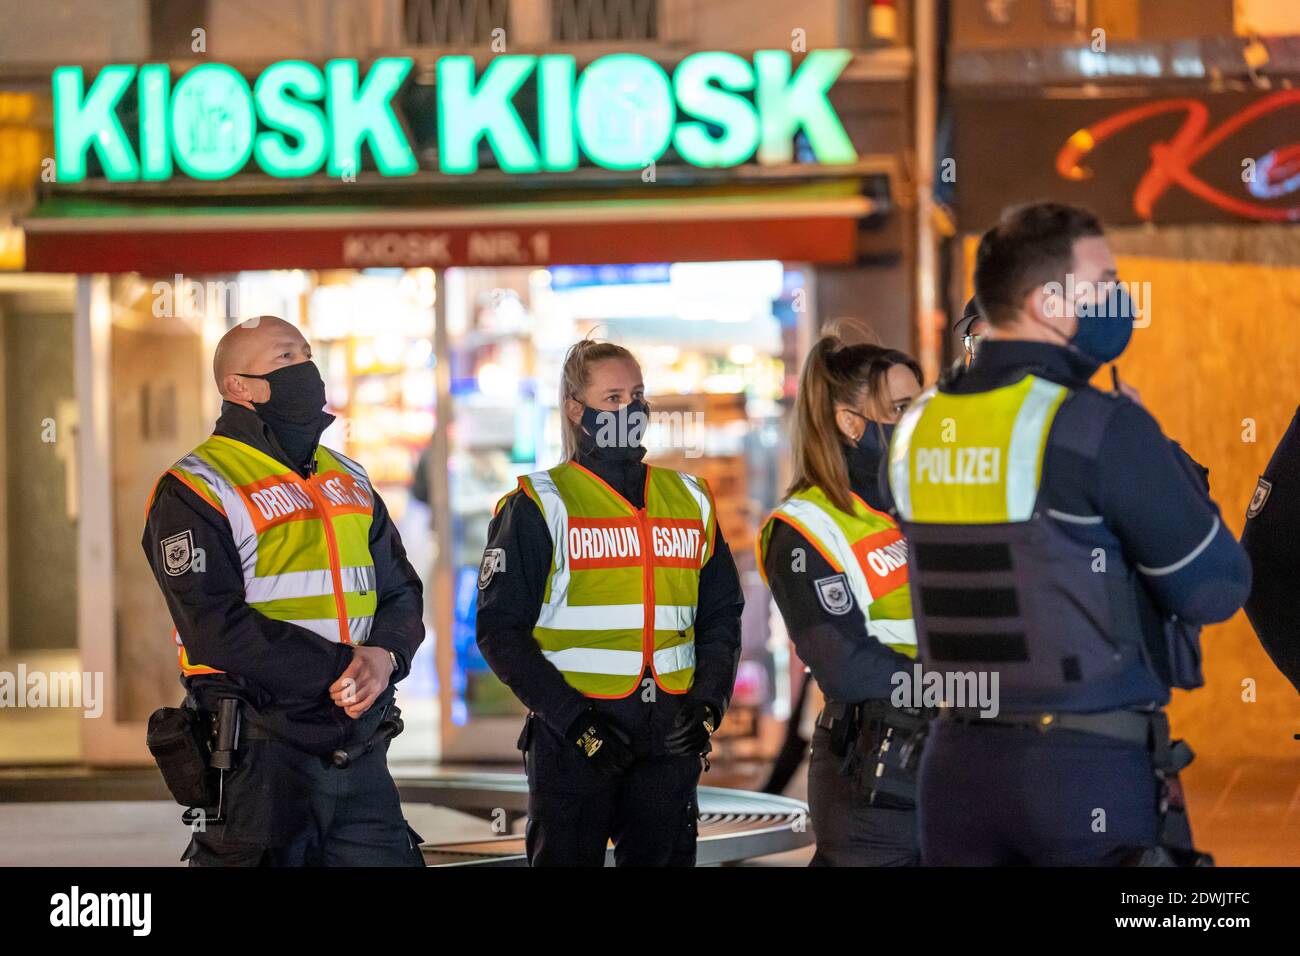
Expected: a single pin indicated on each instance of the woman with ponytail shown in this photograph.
(610, 604)
(837, 567)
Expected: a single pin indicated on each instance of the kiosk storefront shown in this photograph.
(443, 231)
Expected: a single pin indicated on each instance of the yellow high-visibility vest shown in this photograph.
(304, 543)
(624, 582)
(866, 549)
(1004, 583)
(973, 459)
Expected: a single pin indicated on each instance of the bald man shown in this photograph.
(291, 594)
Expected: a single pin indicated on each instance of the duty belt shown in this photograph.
(1130, 726)
(878, 744)
(835, 713)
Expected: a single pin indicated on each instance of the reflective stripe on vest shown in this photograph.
(1001, 584)
(986, 472)
(868, 549)
(304, 544)
(624, 582)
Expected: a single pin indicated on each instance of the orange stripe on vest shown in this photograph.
(595, 543)
(280, 498)
(883, 557)
(677, 542)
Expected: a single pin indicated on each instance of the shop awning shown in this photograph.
(815, 222)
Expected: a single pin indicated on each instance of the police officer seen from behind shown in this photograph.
(837, 566)
(296, 613)
(610, 604)
(1060, 543)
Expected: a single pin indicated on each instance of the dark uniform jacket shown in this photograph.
(848, 663)
(1272, 539)
(281, 671)
(1149, 494)
(511, 601)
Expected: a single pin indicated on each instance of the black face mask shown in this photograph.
(294, 410)
(616, 434)
(870, 440)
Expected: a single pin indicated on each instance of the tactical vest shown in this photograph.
(624, 582)
(1001, 583)
(868, 554)
(304, 543)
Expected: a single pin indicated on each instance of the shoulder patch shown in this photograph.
(494, 560)
(177, 552)
(1259, 498)
(834, 594)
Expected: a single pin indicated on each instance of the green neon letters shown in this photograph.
(208, 121)
(622, 111)
(785, 104)
(212, 121)
(720, 104)
(367, 114)
(296, 143)
(89, 120)
(467, 113)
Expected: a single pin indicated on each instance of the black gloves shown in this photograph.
(606, 748)
(691, 731)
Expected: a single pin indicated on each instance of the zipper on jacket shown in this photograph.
(336, 572)
(648, 638)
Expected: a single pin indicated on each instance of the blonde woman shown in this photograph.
(609, 603)
(837, 567)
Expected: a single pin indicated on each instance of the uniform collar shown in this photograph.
(1002, 361)
(624, 475)
(245, 425)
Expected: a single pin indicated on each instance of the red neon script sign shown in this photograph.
(1277, 173)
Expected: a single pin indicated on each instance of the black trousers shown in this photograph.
(286, 807)
(994, 795)
(650, 811)
(851, 831)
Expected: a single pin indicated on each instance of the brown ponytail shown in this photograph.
(575, 378)
(836, 374)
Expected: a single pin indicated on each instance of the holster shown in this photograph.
(879, 746)
(193, 750)
(894, 760)
(179, 741)
(842, 722)
(1174, 846)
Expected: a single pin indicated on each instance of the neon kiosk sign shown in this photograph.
(622, 112)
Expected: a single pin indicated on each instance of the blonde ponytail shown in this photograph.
(836, 374)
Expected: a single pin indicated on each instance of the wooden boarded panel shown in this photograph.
(1221, 352)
